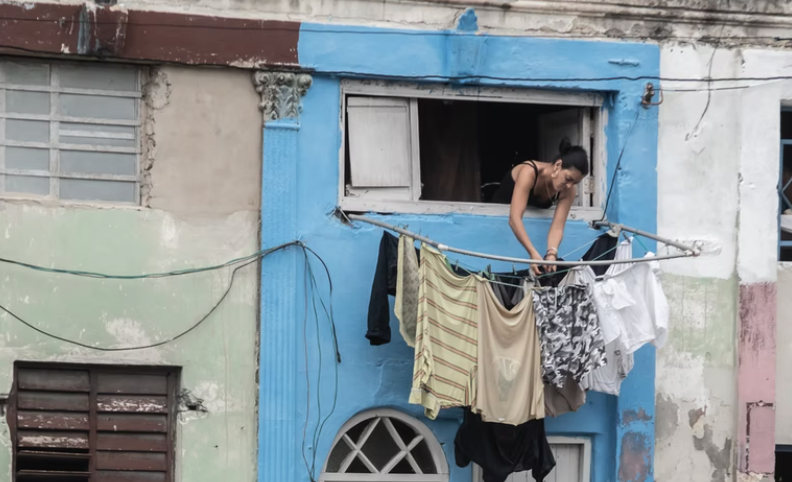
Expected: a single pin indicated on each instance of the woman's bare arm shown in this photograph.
(522, 190)
(556, 232)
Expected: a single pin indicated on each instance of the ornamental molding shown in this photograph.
(281, 93)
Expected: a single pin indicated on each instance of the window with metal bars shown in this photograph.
(69, 131)
(785, 188)
(72, 423)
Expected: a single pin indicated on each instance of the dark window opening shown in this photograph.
(785, 252)
(77, 423)
(783, 463)
(463, 148)
(468, 147)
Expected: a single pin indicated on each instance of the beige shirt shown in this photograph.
(510, 388)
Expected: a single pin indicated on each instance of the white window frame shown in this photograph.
(55, 146)
(423, 431)
(373, 88)
(585, 463)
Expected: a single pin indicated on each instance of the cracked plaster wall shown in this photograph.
(202, 135)
(718, 152)
(636, 19)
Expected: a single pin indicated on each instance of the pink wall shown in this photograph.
(756, 378)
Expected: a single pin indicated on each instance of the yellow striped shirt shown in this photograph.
(446, 343)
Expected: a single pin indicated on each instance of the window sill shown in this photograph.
(51, 202)
(440, 207)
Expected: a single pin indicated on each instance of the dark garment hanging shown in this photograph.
(606, 244)
(384, 284)
(552, 280)
(501, 449)
(509, 296)
(379, 332)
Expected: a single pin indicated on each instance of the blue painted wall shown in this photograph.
(622, 429)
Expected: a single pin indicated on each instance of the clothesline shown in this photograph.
(687, 251)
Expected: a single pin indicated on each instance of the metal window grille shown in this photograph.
(92, 423)
(387, 446)
(69, 131)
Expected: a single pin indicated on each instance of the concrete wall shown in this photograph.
(717, 177)
(632, 19)
(301, 171)
(202, 153)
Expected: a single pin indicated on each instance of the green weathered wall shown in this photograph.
(200, 208)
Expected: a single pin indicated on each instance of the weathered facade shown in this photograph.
(189, 217)
(701, 166)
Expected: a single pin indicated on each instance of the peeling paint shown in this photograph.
(695, 415)
(635, 459)
(156, 96)
(666, 417)
(720, 457)
(631, 416)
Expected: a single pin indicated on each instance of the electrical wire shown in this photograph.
(471, 77)
(618, 165)
(93, 274)
(311, 286)
(163, 342)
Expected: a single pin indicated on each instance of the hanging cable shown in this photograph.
(458, 78)
(93, 274)
(198, 323)
(618, 165)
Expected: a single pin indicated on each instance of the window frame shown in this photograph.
(435, 449)
(783, 144)
(585, 463)
(174, 374)
(379, 88)
(55, 146)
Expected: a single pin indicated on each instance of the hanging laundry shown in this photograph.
(559, 401)
(632, 309)
(407, 283)
(446, 342)
(510, 288)
(554, 278)
(384, 284)
(603, 250)
(569, 333)
(632, 302)
(607, 378)
(501, 449)
(510, 388)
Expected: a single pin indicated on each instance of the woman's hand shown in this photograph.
(536, 268)
(550, 268)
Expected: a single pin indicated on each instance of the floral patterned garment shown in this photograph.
(569, 333)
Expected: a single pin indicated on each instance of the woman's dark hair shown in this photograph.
(572, 156)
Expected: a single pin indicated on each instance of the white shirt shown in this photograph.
(632, 310)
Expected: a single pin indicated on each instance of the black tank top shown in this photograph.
(504, 193)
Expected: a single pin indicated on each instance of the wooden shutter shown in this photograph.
(574, 124)
(97, 424)
(383, 148)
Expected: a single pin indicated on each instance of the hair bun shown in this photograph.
(565, 146)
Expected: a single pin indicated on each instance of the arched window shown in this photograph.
(385, 445)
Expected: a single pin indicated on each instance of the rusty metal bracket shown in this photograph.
(649, 93)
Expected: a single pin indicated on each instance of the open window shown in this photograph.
(433, 149)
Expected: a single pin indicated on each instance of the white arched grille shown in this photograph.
(385, 445)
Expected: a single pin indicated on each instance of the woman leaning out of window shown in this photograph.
(542, 184)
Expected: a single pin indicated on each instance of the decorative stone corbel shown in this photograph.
(281, 93)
